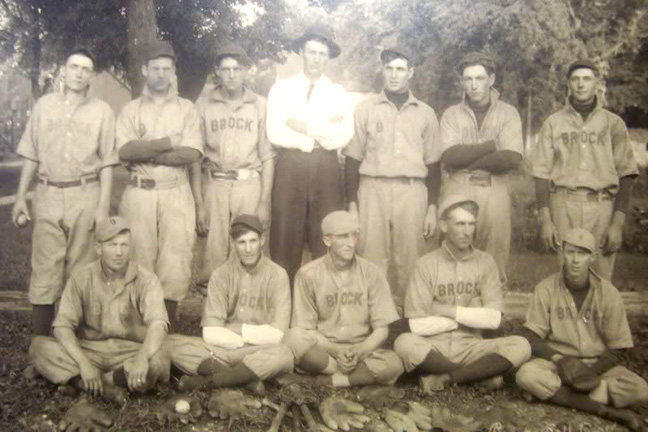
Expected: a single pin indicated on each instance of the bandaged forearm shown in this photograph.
(479, 318)
(432, 325)
(261, 334)
(222, 337)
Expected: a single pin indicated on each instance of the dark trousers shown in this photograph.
(307, 187)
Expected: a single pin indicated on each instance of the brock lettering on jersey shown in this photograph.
(345, 299)
(232, 123)
(565, 313)
(252, 302)
(583, 137)
(459, 288)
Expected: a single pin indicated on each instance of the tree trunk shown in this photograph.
(142, 30)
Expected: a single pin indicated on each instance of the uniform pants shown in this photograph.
(540, 378)
(413, 349)
(307, 187)
(574, 211)
(54, 363)
(392, 213)
(493, 231)
(62, 240)
(384, 365)
(163, 232)
(224, 200)
(266, 361)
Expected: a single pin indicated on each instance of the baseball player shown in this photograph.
(584, 168)
(454, 294)
(238, 167)
(158, 137)
(246, 312)
(110, 324)
(393, 171)
(577, 327)
(309, 119)
(342, 306)
(482, 143)
(69, 143)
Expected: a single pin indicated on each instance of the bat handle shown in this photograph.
(276, 423)
(295, 418)
(310, 421)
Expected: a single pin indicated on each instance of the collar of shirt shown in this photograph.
(131, 272)
(303, 83)
(594, 280)
(172, 94)
(448, 252)
(572, 111)
(411, 100)
(494, 97)
(240, 268)
(216, 95)
(328, 262)
(84, 99)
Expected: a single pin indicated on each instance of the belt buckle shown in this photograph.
(480, 179)
(148, 184)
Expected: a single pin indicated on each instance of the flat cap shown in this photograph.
(107, 229)
(85, 51)
(582, 64)
(399, 50)
(452, 201)
(159, 49)
(319, 31)
(250, 221)
(339, 222)
(582, 238)
(232, 50)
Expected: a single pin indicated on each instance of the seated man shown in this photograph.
(342, 306)
(577, 327)
(454, 294)
(246, 312)
(110, 324)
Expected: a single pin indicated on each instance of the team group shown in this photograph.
(235, 167)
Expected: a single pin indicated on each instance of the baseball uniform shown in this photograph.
(599, 325)
(236, 145)
(501, 124)
(237, 296)
(472, 281)
(158, 203)
(110, 322)
(394, 147)
(345, 308)
(583, 160)
(71, 143)
(307, 184)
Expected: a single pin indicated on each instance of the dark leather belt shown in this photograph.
(69, 183)
(142, 183)
(585, 194)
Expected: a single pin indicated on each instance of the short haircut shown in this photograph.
(469, 206)
(390, 56)
(476, 59)
(242, 61)
(85, 53)
(238, 230)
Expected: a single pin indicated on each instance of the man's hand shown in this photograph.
(347, 360)
(91, 377)
(576, 374)
(297, 126)
(430, 222)
(136, 370)
(202, 220)
(99, 215)
(172, 411)
(611, 240)
(338, 412)
(85, 417)
(549, 235)
(353, 209)
(20, 207)
(263, 213)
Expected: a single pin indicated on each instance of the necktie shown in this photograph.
(310, 91)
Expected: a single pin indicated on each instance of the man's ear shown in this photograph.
(443, 226)
(491, 80)
(327, 241)
(144, 71)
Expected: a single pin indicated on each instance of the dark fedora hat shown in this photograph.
(317, 31)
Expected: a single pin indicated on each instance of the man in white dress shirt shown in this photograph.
(309, 119)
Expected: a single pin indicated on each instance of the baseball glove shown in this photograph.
(338, 412)
(83, 416)
(379, 397)
(231, 404)
(173, 410)
(577, 375)
(409, 417)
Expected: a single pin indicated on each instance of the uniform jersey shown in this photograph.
(69, 141)
(346, 306)
(256, 297)
(592, 154)
(600, 324)
(98, 309)
(472, 281)
(234, 131)
(392, 142)
(143, 119)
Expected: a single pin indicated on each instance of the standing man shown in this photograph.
(393, 172)
(585, 169)
(454, 294)
(69, 142)
(158, 137)
(342, 307)
(482, 143)
(238, 166)
(577, 327)
(309, 119)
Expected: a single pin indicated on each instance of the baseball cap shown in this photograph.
(83, 51)
(320, 31)
(580, 64)
(582, 238)
(450, 202)
(232, 49)
(159, 49)
(249, 221)
(399, 50)
(109, 228)
(339, 222)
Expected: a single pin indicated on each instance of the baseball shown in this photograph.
(21, 220)
(182, 406)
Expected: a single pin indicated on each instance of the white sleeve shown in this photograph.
(261, 334)
(431, 325)
(479, 318)
(335, 132)
(222, 337)
(279, 134)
